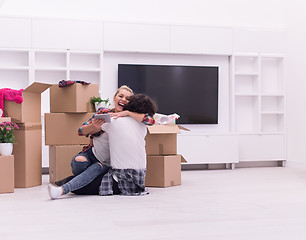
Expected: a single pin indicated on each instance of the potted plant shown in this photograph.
(97, 102)
(7, 137)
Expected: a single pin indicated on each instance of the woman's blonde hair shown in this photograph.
(125, 88)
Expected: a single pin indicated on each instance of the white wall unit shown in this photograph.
(258, 103)
(15, 32)
(126, 37)
(201, 40)
(199, 148)
(252, 102)
(262, 147)
(63, 34)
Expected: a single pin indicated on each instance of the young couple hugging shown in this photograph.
(115, 160)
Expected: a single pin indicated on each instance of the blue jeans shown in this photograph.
(78, 167)
(85, 172)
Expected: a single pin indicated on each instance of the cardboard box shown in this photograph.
(30, 109)
(163, 171)
(5, 119)
(62, 128)
(28, 155)
(7, 174)
(162, 140)
(73, 98)
(60, 161)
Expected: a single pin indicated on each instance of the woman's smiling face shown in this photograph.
(121, 98)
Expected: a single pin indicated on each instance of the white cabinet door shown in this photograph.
(201, 40)
(136, 37)
(259, 40)
(59, 34)
(15, 32)
(262, 147)
(208, 148)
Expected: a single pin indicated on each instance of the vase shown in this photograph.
(6, 149)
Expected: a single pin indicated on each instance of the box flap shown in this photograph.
(160, 129)
(37, 87)
(183, 159)
(183, 128)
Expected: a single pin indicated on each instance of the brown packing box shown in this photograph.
(60, 159)
(7, 174)
(62, 128)
(163, 171)
(162, 140)
(30, 109)
(5, 119)
(28, 155)
(73, 98)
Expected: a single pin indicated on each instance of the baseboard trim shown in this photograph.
(217, 166)
(298, 165)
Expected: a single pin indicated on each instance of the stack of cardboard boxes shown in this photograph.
(70, 107)
(163, 162)
(28, 145)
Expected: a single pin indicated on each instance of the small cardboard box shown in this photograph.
(28, 155)
(73, 98)
(62, 128)
(60, 161)
(162, 140)
(5, 119)
(30, 109)
(7, 174)
(163, 171)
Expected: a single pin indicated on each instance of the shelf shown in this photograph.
(272, 75)
(48, 76)
(14, 59)
(246, 84)
(88, 76)
(15, 78)
(50, 59)
(272, 123)
(247, 114)
(272, 104)
(85, 60)
(246, 64)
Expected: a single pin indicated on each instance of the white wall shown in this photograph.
(296, 83)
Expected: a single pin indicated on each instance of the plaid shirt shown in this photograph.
(131, 182)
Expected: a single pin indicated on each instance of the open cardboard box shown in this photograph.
(30, 109)
(74, 98)
(162, 139)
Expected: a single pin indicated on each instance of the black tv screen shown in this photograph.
(189, 91)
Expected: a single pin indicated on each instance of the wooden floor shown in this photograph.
(241, 204)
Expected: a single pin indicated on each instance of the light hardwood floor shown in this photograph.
(247, 203)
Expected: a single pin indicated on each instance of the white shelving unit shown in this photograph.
(258, 105)
(51, 67)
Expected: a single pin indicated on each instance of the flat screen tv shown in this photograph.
(189, 91)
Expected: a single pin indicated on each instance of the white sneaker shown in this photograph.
(54, 191)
